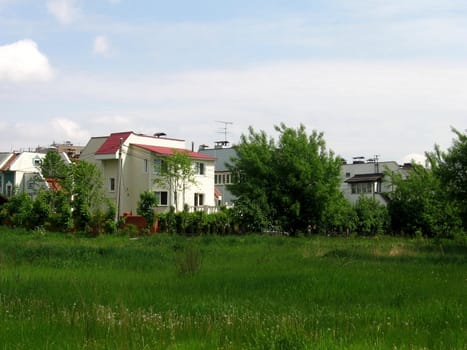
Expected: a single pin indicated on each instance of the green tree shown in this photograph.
(41, 209)
(419, 205)
(450, 168)
(84, 185)
(371, 217)
(147, 202)
(288, 183)
(53, 166)
(178, 172)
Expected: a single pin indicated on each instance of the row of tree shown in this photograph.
(292, 184)
(288, 185)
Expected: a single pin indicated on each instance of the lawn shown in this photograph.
(237, 292)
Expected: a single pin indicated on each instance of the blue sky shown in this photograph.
(377, 77)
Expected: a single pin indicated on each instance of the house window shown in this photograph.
(162, 198)
(362, 187)
(199, 199)
(158, 164)
(1, 183)
(112, 184)
(347, 174)
(37, 161)
(145, 166)
(9, 189)
(200, 168)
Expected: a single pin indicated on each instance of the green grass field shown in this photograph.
(247, 292)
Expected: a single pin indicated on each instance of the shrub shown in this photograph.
(371, 216)
(18, 210)
(146, 204)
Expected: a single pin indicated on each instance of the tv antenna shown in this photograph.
(224, 129)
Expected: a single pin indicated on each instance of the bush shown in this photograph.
(371, 216)
(18, 210)
(146, 204)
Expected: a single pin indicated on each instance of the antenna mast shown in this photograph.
(224, 129)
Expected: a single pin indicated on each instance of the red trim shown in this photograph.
(167, 151)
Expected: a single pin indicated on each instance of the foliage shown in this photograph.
(288, 183)
(339, 218)
(168, 221)
(85, 186)
(450, 168)
(18, 210)
(146, 204)
(250, 216)
(79, 204)
(41, 209)
(196, 223)
(419, 205)
(371, 217)
(53, 166)
(61, 216)
(177, 170)
(103, 221)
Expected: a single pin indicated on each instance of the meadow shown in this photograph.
(164, 291)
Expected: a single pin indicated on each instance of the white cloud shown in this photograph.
(101, 45)
(65, 11)
(69, 130)
(364, 108)
(22, 61)
(413, 157)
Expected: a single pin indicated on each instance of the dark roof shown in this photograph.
(167, 151)
(112, 143)
(365, 178)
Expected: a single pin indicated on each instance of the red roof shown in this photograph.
(167, 151)
(112, 143)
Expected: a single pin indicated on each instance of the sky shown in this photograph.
(377, 77)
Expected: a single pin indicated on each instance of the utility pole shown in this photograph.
(119, 181)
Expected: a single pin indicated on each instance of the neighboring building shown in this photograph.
(72, 151)
(222, 175)
(368, 178)
(68, 148)
(5, 177)
(140, 158)
(21, 172)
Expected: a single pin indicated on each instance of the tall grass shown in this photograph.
(246, 292)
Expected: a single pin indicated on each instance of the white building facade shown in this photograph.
(131, 163)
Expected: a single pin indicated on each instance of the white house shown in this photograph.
(131, 162)
(21, 172)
